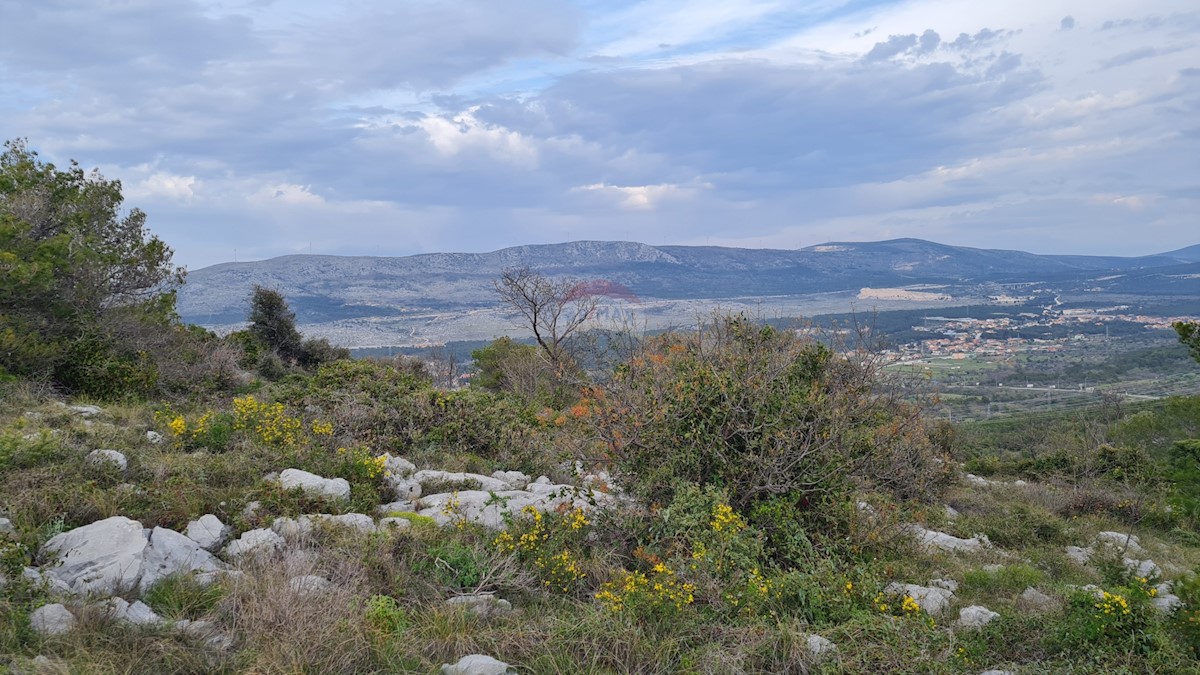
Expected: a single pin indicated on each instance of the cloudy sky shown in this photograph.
(258, 128)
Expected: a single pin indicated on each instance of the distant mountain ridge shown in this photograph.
(325, 289)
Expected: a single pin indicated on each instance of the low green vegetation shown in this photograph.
(733, 495)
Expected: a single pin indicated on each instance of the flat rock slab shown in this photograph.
(170, 553)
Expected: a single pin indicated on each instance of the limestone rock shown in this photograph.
(948, 584)
(932, 600)
(254, 543)
(1079, 555)
(820, 648)
(52, 619)
(312, 484)
(6, 528)
(947, 542)
(309, 585)
(515, 479)
(1143, 568)
(975, 616)
(485, 483)
(402, 506)
(481, 604)
(406, 489)
(951, 512)
(1033, 599)
(154, 437)
(85, 411)
(209, 532)
(302, 526)
(104, 557)
(398, 466)
(395, 524)
(102, 458)
(476, 664)
(171, 553)
(490, 508)
(137, 613)
(1122, 541)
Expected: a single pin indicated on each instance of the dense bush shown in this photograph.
(785, 426)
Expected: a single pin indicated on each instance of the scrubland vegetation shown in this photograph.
(753, 491)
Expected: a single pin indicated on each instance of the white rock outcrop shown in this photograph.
(490, 508)
(481, 604)
(314, 485)
(103, 558)
(819, 648)
(170, 553)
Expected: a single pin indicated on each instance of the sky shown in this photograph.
(249, 129)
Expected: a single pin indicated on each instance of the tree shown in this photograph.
(552, 308)
(273, 323)
(79, 279)
(1189, 334)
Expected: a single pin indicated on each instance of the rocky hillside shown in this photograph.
(362, 301)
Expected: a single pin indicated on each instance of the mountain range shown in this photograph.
(429, 298)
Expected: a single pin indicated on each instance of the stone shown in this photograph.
(209, 532)
(154, 437)
(102, 458)
(1079, 555)
(1166, 603)
(820, 648)
(515, 479)
(491, 509)
(1129, 543)
(140, 614)
(476, 664)
(309, 585)
(260, 542)
(6, 528)
(36, 577)
(1146, 569)
(485, 483)
(948, 584)
(351, 521)
(314, 485)
(947, 542)
(250, 510)
(951, 512)
(53, 619)
(170, 553)
(403, 506)
(1035, 600)
(1020, 483)
(398, 466)
(406, 489)
(932, 600)
(102, 558)
(483, 605)
(977, 480)
(395, 524)
(292, 528)
(975, 616)
(85, 410)
(997, 672)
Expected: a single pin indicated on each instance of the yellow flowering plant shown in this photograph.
(551, 544)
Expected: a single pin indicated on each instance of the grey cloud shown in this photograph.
(929, 41)
(983, 37)
(1128, 57)
(896, 44)
(1067, 23)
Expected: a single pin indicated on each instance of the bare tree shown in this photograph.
(552, 308)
